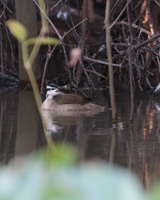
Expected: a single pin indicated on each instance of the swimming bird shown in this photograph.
(61, 98)
(56, 100)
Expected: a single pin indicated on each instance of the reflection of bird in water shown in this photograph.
(51, 125)
(59, 101)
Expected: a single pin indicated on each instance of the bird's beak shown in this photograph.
(48, 87)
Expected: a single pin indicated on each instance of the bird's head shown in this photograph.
(52, 92)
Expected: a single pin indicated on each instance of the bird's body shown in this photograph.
(68, 99)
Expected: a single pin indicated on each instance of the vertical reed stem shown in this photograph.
(130, 67)
(109, 55)
(82, 46)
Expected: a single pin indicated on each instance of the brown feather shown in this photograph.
(68, 99)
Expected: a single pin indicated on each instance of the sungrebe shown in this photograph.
(58, 101)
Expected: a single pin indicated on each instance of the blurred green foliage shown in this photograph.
(57, 175)
(17, 29)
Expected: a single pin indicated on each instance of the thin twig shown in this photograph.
(111, 26)
(146, 42)
(74, 27)
(136, 27)
(100, 61)
(158, 4)
(109, 55)
(60, 38)
(98, 74)
(1, 52)
(55, 5)
(130, 66)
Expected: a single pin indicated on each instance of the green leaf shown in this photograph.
(43, 41)
(60, 155)
(155, 192)
(48, 176)
(17, 29)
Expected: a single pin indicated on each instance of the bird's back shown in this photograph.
(68, 99)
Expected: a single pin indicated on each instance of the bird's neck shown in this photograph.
(50, 97)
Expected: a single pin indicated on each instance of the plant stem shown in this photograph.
(111, 77)
(28, 67)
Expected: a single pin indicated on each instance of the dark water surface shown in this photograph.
(136, 147)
